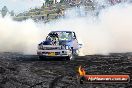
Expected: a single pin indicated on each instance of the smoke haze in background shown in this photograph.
(18, 36)
(110, 31)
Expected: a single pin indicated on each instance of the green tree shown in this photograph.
(61, 1)
(4, 11)
(43, 5)
(47, 2)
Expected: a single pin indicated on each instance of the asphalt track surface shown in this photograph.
(27, 71)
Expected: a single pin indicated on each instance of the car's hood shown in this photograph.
(61, 42)
(65, 42)
(47, 42)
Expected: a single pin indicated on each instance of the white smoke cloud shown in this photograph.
(110, 32)
(19, 36)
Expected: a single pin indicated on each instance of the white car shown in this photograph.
(59, 44)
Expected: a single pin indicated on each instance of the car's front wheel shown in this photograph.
(71, 57)
(75, 52)
(42, 57)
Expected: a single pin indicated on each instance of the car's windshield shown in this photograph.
(64, 35)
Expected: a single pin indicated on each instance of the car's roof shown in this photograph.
(61, 31)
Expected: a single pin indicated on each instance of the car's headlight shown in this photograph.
(67, 47)
(40, 47)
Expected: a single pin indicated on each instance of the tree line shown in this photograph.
(5, 11)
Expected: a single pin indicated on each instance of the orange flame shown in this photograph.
(81, 71)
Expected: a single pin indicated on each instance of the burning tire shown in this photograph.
(82, 80)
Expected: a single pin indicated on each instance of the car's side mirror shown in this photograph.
(80, 45)
(74, 38)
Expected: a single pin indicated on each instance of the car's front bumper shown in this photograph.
(54, 53)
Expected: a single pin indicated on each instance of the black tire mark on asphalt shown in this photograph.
(23, 83)
(40, 83)
(54, 82)
(5, 79)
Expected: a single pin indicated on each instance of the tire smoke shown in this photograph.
(109, 32)
(19, 37)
